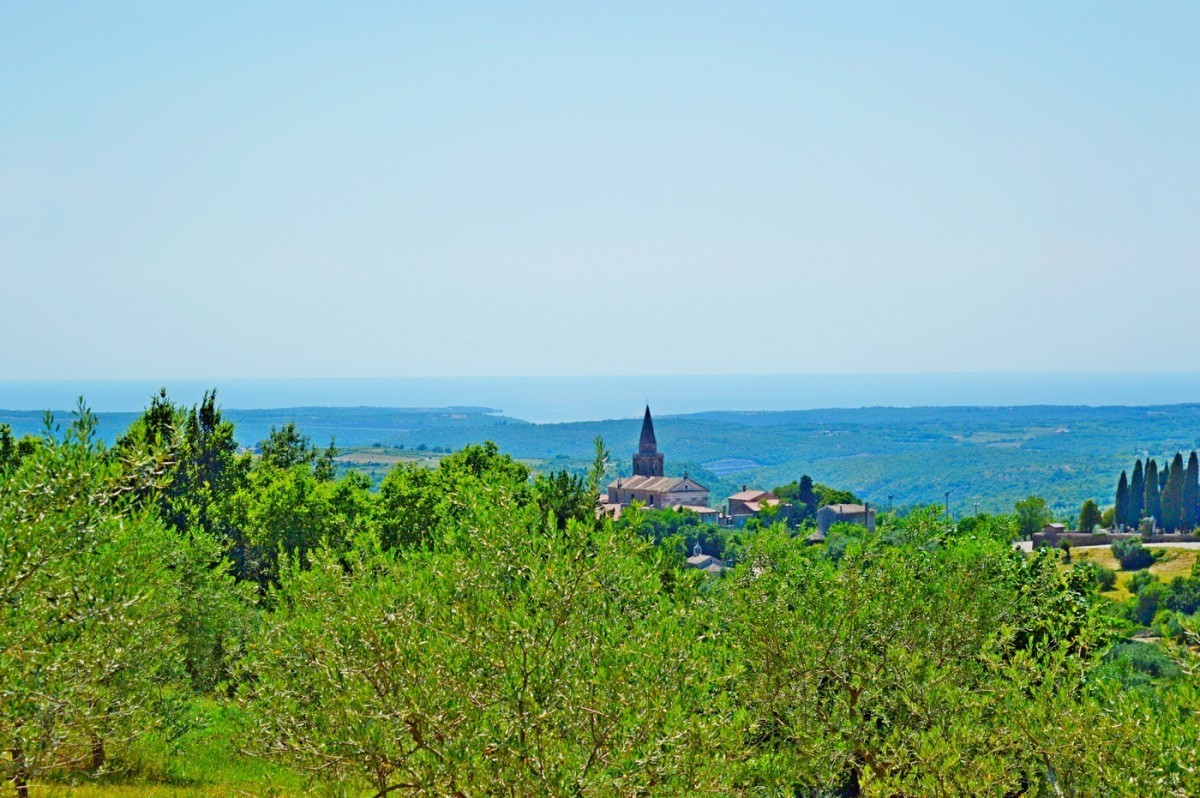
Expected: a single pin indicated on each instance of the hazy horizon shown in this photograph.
(586, 398)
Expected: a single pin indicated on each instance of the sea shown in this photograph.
(562, 399)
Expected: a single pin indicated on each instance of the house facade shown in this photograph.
(832, 514)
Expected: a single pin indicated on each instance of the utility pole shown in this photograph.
(947, 503)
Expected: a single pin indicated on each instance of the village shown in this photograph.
(651, 488)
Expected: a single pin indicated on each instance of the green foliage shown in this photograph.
(1137, 495)
(1171, 501)
(89, 607)
(202, 470)
(839, 538)
(595, 484)
(1151, 496)
(1105, 579)
(286, 447)
(804, 496)
(1132, 555)
(1032, 515)
(564, 496)
(1146, 603)
(1089, 516)
(469, 630)
(1122, 508)
(1135, 664)
(904, 669)
(532, 660)
(417, 507)
(1139, 580)
(283, 512)
(406, 509)
(827, 495)
(1191, 493)
(202, 475)
(681, 530)
(1182, 594)
(1002, 528)
(7, 447)
(13, 451)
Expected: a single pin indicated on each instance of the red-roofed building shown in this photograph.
(649, 486)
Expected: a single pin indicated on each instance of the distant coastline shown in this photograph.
(992, 456)
(567, 399)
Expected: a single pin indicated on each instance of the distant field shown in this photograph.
(386, 457)
(1172, 563)
(376, 461)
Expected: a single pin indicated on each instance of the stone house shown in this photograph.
(831, 514)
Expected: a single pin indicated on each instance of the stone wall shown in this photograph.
(1153, 539)
(1077, 538)
(1104, 538)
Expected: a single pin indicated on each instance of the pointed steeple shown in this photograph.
(647, 444)
(647, 462)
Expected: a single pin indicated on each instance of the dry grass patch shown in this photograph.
(1172, 563)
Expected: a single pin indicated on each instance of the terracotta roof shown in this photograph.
(846, 509)
(658, 484)
(750, 495)
(699, 509)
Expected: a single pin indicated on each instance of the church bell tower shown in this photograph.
(647, 462)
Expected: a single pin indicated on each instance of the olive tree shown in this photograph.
(928, 667)
(88, 606)
(529, 658)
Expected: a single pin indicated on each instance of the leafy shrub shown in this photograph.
(1132, 554)
(994, 527)
(1106, 578)
(1144, 606)
(1139, 580)
(840, 536)
(1166, 624)
(1182, 595)
(1144, 658)
(1099, 576)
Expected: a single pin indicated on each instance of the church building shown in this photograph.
(650, 486)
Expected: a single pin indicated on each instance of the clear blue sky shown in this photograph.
(387, 189)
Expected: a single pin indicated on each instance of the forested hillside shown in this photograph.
(177, 615)
(898, 456)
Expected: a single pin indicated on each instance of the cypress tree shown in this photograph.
(1151, 505)
(807, 496)
(1172, 496)
(1191, 493)
(1137, 498)
(1162, 477)
(1121, 515)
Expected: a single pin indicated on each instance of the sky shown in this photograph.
(253, 190)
